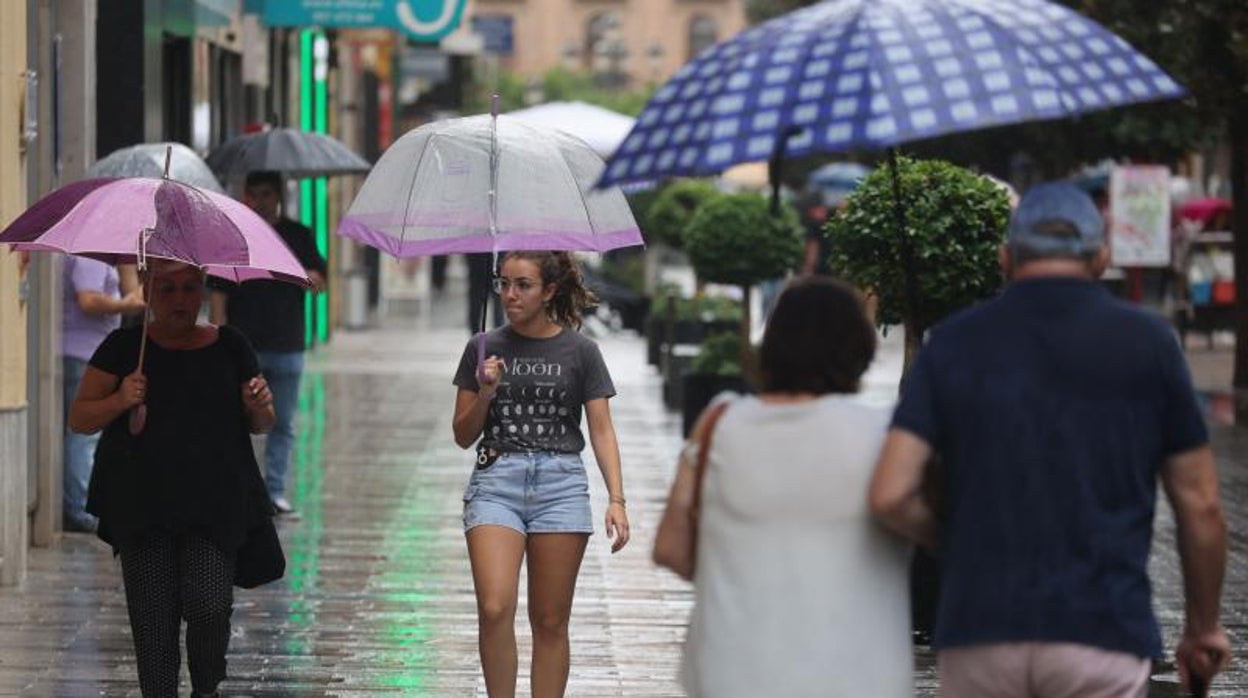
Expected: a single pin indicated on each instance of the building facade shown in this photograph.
(14, 141)
(629, 43)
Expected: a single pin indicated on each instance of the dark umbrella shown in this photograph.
(290, 151)
(848, 75)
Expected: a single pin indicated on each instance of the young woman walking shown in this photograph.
(529, 493)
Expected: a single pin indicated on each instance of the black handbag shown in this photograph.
(260, 559)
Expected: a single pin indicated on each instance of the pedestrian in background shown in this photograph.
(271, 314)
(529, 494)
(480, 276)
(1055, 409)
(176, 501)
(797, 591)
(92, 307)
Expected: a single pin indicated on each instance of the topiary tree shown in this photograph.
(719, 355)
(734, 239)
(673, 208)
(955, 222)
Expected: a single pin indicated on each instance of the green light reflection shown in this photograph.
(303, 545)
(408, 550)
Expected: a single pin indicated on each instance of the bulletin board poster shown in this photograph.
(1139, 215)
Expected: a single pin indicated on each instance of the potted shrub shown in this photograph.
(955, 222)
(734, 239)
(688, 322)
(672, 209)
(716, 368)
(663, 224)
(677, 320)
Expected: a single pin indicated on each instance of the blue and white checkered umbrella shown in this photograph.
(847, 75)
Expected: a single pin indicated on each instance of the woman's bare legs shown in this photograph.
(554, 561)
(496, 553)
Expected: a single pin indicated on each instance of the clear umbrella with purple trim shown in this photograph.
(488, 183)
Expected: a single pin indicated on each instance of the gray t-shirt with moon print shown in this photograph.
(543, 385)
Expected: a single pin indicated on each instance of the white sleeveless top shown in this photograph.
(798, 592)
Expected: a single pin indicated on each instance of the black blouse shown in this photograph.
(192, 469)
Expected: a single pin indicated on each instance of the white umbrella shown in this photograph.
(603, 129)
(148, 160)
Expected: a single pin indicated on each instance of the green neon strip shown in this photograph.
(320, 196)
(305, 74)
(303, 546)
(305, 187)
(322, 244)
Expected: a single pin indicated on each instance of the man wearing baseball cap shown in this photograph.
(1055, 409)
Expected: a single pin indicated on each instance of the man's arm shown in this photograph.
(1190, 480)
(101, 304)
(896, 496)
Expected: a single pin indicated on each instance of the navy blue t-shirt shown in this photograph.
(1053, 407)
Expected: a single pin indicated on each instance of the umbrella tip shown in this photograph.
(168, 157)
(494, 105)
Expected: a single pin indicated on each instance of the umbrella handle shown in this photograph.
(481, 356)
(138, 414)
(138, 419)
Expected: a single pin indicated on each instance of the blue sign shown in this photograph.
(422, 20)
(496, 31)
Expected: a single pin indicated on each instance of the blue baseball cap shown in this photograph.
(1057, 218)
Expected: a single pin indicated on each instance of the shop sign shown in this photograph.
(422, 20)
(1139, 215)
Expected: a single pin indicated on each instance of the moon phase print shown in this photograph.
(531, 409)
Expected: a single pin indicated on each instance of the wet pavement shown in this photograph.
(378, 598)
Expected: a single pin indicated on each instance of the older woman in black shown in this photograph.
(176, 501)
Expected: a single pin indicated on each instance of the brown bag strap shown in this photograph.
(704, 449)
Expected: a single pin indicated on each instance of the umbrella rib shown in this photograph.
(411, 189)
(584, 206)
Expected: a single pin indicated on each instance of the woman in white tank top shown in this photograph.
(798, 591)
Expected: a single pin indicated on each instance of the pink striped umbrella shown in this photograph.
(107, 219)
(133, 219)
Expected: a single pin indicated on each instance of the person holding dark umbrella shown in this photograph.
(271, 315)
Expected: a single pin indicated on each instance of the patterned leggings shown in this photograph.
(169, 579)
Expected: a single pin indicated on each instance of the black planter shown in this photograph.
(698, 390)
(654, 339)
(675, 365)
(635, 316)
(683, 332)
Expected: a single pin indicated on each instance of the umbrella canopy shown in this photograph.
(1204, 210)
(124, 220)
(460, 185)
(847, 75)
(835, 181)
(603, 129)
(838, 175)
(148, 160)
(290, 151)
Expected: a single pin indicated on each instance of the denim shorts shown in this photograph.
(531, 492)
